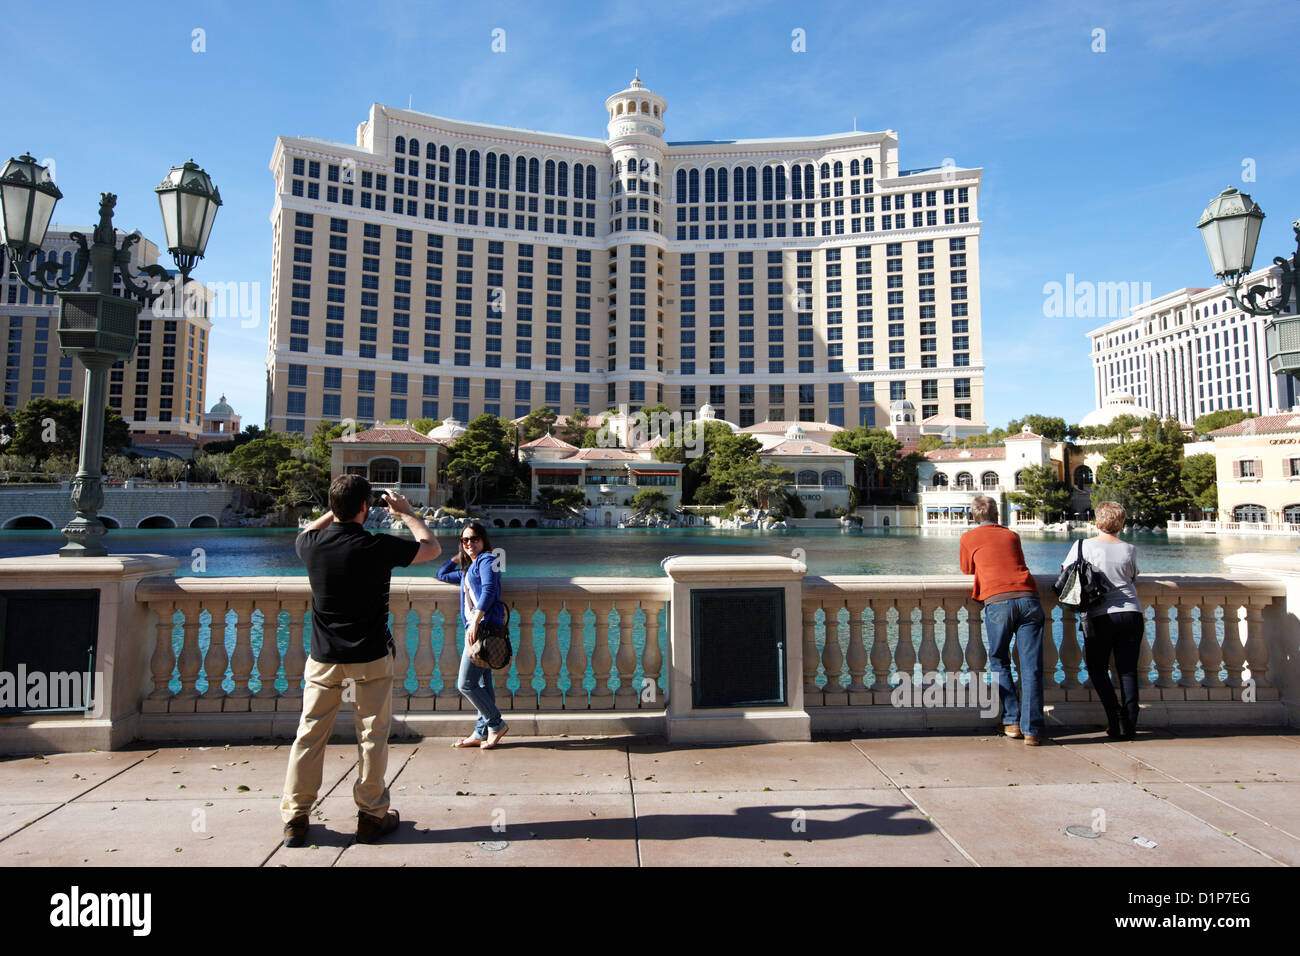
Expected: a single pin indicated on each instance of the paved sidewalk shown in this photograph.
(1206, 798)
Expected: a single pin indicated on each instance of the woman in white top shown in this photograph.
(1116, 624)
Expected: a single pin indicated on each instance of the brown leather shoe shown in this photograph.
(295, 831)
(1012, 731)
(1031, 740)
(372, 829)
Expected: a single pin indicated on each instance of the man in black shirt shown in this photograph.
(351, 651)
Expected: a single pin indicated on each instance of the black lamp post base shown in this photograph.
(85, 539)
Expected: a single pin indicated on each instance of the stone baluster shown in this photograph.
(552, 698)
(268, 660)
(977, 654)
(1211, 654)
(951, 644)
(1144, 655)
(449, 656)
(295, 657)
(241, 661)
(1256, 646)
(625, 659)
(190, 660)
(215, 662)
(833, 694)
(602, 698)
(163, 659)
(526, 659)
(880, 653)
(424, 662)
(1185, 649)
(857, 656)
(812, 694)
(1051, 655)
(1163, 650)
(402, 656)
(575, 662)
(501, 695)
(1071, 653)
(929, 650)
(1234, 650)
(652, 658)
(905, 655)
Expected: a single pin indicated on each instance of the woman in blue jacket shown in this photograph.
(480, 601)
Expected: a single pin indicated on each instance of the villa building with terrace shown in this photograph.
(393, 458)
(949, 479)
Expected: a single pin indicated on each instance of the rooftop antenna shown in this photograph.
(410, 101)
(855, 124)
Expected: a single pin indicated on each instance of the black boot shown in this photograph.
(1127, 727)
(1113, 728)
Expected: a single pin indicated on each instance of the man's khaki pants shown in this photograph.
(369, 687)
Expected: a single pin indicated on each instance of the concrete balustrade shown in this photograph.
(613, 655)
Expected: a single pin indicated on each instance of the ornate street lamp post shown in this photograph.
(97, 327)
(1230, 228)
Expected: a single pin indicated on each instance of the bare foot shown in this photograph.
(470, 741)
(494, 737)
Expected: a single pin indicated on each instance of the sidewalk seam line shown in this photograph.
(77, 797)
(636, 823)
(908, 797)
(319, 800)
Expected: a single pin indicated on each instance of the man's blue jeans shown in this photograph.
(1021, 619)
(475, 683)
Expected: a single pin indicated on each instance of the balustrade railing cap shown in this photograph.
(733, 566)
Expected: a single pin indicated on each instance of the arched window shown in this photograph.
(838, 169)
(807, 477)
(796, 182)
(503, 176)
(619, 109)
(577, 181)
(681, 186)
(399, 144)
(780, 183)
(591, 182)
(384, 471)
(965, 482)
(854, 166)
(656, 164)
(940, 480)
(1019, 479)
(413, 147)
(462, 162)
(751, 183)
(722, 184)
(444, 154)
(693, 189)
(473, 167)
(562, 172)
(989, 480)
(710, 180)
(1252, 513)
(490, 173)
(550, 177)
(521, 173)
(808, 181)
(1291, 514)
(645, 106)
(431, 152)
(826, 170)
(1083, 477)
(833, 479)
(867, 166)
(534, 170)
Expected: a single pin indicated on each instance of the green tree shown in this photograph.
(425, 425)
(1048, 426)
(1200, 481)
(257, 462)
(1144, 477)
(320, 443)
(482, 461)
(561, 502)
(574, 430)
(650, 499)
(696, 447)
(1213, 421)
(929, 443)
(536, 423)
(880, 459)
(52, 426)
(1041, 493)
(300, 483)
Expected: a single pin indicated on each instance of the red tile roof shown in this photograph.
(390, 434)
(1265, 424)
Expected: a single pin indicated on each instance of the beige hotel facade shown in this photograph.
(445, 269)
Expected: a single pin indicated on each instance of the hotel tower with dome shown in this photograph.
(446, 269)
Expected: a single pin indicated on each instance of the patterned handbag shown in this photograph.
(491, 649)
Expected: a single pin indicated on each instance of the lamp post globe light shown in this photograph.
(97, 327)
(1230, 228)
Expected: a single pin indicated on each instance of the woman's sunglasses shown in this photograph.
(470, 537)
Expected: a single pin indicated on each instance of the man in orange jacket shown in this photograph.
(1011, 609)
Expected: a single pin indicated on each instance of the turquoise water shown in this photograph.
(638, 552)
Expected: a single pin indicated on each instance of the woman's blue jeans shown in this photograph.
(475, 684)
(1021, 620)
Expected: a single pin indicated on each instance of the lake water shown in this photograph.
(628, 552)
(637, 552)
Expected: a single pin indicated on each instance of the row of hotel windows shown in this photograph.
(16, 361)
(1254, 468)
(524, 395)
(1258, 513)
(777, 230)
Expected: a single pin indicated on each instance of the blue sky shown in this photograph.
(1097, 163)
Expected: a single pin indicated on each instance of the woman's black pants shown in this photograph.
(1120, 634)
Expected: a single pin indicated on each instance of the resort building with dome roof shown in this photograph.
(220, 423)
(436, 267)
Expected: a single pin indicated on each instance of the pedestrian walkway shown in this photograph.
(1210, 798)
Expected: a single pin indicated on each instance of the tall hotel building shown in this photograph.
(159, 391)
(1191, 352)
(445, 269)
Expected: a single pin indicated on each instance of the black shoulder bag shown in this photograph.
(491, 648)
(1080, 586)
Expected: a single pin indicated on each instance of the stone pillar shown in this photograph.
(123, 654)
(688, 723)
(1279, 624)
